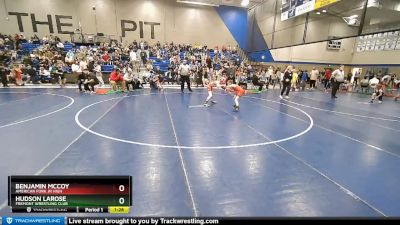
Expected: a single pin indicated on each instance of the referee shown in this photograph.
(337, 78)
(184, 72)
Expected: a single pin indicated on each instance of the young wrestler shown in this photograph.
(377, 94)
(239, 92)
(210, 87)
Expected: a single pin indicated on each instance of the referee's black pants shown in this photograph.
(286, 87)
(4, 80)
(335, 88)
(187, 80)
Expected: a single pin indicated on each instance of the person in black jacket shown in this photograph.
(287, 78)
(90, 81)
(35, 78)
(61, 76)
(4, 71)
(256, 82)
(81, 79)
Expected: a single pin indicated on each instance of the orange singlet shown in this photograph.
(18, 74)
(211, 86)
(239, 91)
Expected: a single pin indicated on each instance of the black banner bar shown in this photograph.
(212, 220)
(44, 209)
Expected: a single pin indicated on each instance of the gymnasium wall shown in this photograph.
(316, 52)
(376, 57)
(170, 21)
(291, 31)
(317, 55)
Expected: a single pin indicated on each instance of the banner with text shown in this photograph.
(293, 8)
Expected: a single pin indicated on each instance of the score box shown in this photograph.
(43, 193)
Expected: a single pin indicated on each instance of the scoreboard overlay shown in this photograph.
(89, 194)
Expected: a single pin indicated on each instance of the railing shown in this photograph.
(93, 38)
(242, 54)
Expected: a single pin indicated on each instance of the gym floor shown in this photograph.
(309, 156)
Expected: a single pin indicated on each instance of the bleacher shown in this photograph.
(67, 47)
(162, 63)
(29, 47)
(107, 68)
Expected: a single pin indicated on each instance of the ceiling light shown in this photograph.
(318, 13)
(245, 3)
(197, 3)
(352, 20)
(373, 3)
(324, 11)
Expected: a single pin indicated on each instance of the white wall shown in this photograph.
(180, 23)
(376, 57)
(316, 52)
(291, 31)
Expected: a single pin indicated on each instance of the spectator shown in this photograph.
(256, 82)
(278, 78)
(4, 71)
(287, 78)
(143, 56)
(117, 79)
(128, 78)
(26, 78)
(83, 64)
(313, 78)
(327, 79)
(99, 75)
(62, 80)
(17, 75)
(295, 78)
(35, 78)
(106, 58)
(304, 78)
(169, 75)
(90, 82)
(134, 59)
(81, 79)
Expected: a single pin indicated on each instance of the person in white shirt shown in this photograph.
(267, 77)
(128, 77)
(44, 74)
(145, 75)
(99, 75)
(134, 59)
(270, 72)
(69, 58)
(83, 64)
(373, 82)
(386, 80)
(313, 77)
(75, 67)
(60, 45)
(337, 78)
